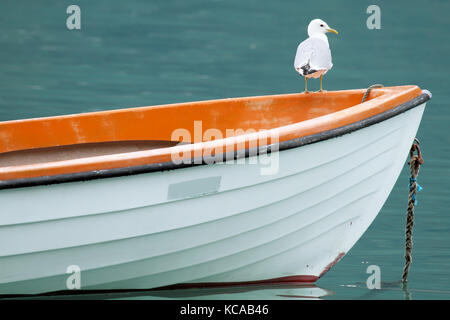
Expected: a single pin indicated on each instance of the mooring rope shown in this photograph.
(369, 89)
(414, 164)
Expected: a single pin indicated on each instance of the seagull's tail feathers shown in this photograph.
(305, 69)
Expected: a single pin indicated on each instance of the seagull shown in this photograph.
(313, 58)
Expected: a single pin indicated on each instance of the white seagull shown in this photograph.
(313, 58)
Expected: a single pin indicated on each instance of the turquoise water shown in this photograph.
(135, 53)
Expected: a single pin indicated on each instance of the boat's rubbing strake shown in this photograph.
(283, 145)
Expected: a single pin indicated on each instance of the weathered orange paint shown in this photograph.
(291, 115)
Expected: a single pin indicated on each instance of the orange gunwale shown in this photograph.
(291, 116)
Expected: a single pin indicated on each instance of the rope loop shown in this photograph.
(369, 89)
(415, 147)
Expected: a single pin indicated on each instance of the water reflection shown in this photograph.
(249, 292)
(291, 291)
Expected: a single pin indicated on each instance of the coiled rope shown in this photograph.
(415, 160)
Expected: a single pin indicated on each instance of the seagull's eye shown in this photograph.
(321, 25)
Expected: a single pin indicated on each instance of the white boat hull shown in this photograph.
(205, 224)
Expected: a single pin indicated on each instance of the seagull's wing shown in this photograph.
(312, 55)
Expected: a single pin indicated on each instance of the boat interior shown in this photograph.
(80, 150)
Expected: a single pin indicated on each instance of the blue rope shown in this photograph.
(419, 188)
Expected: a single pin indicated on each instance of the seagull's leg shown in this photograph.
(306, 85)
(320, 90)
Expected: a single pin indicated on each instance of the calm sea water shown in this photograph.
(134, 53)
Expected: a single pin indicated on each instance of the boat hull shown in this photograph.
(208, 224)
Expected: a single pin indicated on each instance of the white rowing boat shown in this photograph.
(103, 193)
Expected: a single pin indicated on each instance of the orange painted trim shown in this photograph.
(290, 116)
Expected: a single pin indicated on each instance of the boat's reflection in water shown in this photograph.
(248, 292)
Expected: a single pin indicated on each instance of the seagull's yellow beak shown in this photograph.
(332, 30)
